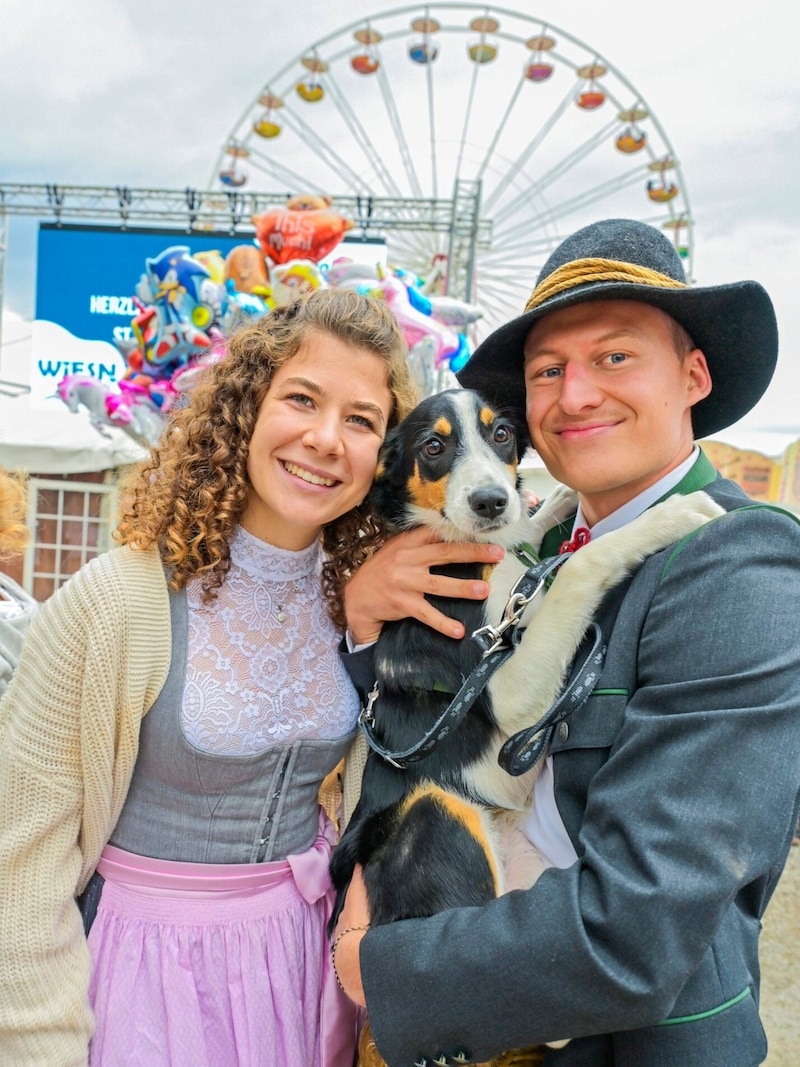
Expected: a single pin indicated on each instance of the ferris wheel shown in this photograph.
(418, 102)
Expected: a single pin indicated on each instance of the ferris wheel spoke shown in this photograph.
(501, 284)
(557, 171)
(362, 139)
(504, 260)
(514, 273)
(290, 179)
(467, 116)
(501, 304)
(568, 208)
(415, 256)
(500, 128)
(527, 152)
(327, 154)
(501, 301)
(598, 140)
(593, 195)
(521, 248)
(432, 130)
(535, 211)
(562, 167)
(509, 257)
(668, 215)
(495, 285)
(399, 133)
(407, 244)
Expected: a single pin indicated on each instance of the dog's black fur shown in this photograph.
(452, 464)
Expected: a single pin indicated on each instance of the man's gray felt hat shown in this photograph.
(620, 259)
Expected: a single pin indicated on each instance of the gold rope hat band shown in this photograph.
(582, 271)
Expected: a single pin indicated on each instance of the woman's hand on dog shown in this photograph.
(393, 584)
(354, 919)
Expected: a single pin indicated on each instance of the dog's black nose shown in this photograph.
(488, 503)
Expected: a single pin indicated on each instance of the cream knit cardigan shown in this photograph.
(95, 658)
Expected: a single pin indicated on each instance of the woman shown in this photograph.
(16, 607)
(177, 706)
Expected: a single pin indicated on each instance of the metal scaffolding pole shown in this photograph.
(197, 211)
(220, 210)
(465, 228)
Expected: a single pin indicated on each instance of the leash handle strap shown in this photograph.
(524, 748)
(497, 645)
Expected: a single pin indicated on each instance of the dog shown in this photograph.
(440, 832)
(450, 465)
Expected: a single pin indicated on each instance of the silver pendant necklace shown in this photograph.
(290, 591)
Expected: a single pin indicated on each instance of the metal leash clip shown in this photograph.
(492, 638)
(365, 714)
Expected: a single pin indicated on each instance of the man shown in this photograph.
(667, 803)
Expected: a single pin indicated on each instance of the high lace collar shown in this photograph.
(262, 560)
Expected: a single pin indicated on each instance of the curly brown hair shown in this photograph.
(14, 534)
(189, 495)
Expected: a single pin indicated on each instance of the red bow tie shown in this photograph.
(581, 537)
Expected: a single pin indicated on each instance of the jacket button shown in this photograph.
(563, 731)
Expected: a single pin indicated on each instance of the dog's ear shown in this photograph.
(389, 495)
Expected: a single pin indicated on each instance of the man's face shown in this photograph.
(609, 400)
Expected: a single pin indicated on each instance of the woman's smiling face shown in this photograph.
(315, 444)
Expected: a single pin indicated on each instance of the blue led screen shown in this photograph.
(86, 276)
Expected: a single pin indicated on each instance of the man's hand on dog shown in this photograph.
(393, 583)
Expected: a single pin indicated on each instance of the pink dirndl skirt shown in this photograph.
(217, 965)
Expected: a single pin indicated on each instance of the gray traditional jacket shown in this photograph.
(677, 782)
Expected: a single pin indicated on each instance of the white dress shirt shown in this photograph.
(543, 825)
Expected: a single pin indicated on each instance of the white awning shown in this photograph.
(47, 438)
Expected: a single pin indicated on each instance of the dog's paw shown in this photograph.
(604, 563)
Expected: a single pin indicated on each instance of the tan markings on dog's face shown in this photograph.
(427, 494)
(380, 470)
(462, 811)
(487, 416)
(443, 426)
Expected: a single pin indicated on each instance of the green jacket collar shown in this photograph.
(699, 475)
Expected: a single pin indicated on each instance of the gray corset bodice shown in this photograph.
(198, 807)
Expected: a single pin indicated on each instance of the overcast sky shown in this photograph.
(107, 92)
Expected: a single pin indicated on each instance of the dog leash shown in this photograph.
(497, 643)
(522, 750)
